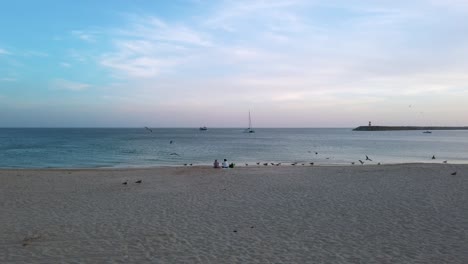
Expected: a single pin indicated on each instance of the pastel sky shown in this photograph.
(189, 63)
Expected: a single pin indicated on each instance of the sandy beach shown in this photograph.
(411, 213)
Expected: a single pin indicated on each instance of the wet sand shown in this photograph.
(410, 213)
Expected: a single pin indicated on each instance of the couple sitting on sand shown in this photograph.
(224, 165)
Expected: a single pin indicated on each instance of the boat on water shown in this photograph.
(203, 128)
(427, 132)
(249, 129)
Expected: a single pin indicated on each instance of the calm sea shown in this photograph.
(138, 147)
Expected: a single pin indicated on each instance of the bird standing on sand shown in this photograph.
(362, 162)
(352, 163)
(311, 163)
(444, 161)
(265, 164)
(246, 164)
(454, 173)
(258, 163)
(433, 156)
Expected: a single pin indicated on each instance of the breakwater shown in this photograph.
(397, 128)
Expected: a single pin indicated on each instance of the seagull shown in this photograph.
(294, 164)
(125, 182)
(316, 153)
(302, 164)
(265, 164)
(170, 142)
(149, 129)
(272, 164)
(433, 156)
(258, 163)
(277, 164)
(362, 162)
(445, 161)
(246, 164)
(139, 181)
(190, 164)
(367, 158)
(311, 163)
(454, 173)
(352, 163)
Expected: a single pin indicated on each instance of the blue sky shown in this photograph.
(190, 63)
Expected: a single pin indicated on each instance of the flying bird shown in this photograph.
(367, 158)
(170, 142)
(149, 129)
(362, 162)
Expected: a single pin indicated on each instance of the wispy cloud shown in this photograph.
(61, 84)
(87, 36)
(4, 52)
(8, 79)
(65, 65)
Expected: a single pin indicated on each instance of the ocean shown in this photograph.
(139, 147)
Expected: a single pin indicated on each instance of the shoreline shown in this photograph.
(287, 164)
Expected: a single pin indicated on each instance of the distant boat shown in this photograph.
(249, 130)
(427, 132)
(204, 128)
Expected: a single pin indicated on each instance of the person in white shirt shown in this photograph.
(225, 164)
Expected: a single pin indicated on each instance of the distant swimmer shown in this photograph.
(433, 156)
(367, 158)
(149, 129)
(362, 162)
(454, 173)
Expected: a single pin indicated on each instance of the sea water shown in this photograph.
(139, 147)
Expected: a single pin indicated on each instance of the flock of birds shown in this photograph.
(279, 163)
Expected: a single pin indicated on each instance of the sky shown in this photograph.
(191, 63)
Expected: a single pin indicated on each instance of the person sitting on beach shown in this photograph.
(216, 164)
(225, 164)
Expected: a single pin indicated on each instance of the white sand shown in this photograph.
(414, 213)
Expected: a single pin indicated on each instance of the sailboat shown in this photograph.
(249, 130)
